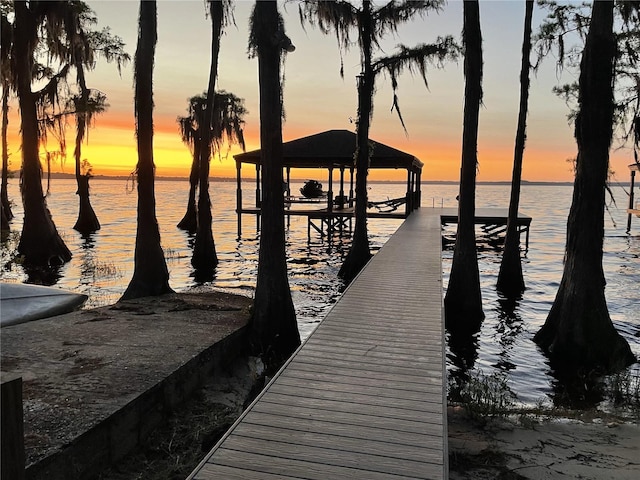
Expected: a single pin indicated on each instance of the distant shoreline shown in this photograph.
(59, 175)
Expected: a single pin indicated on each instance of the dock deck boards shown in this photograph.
(365, 396)
(483, 216)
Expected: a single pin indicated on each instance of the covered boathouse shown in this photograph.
(329, 151)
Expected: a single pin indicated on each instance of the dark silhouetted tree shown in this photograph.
(150, 275)
(372, 24)
(5, 73)
(40, 243)
(510, 278)
(578, 334)
(205, 258)
(189, 132)
(84, 48)
(227, 120)
(463, 299)
(273, 330)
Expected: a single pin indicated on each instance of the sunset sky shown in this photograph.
(318, 99)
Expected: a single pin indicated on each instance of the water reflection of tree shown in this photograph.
(463, 353)
(509, 328)
(87, 260)
(48, 275)
(577, 390)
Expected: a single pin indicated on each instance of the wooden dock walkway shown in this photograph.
(365, 396)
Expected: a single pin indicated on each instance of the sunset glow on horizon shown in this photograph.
(317, 99)
(112, 151)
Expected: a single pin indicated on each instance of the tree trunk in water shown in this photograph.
(190, 220)
(463, 300)
(205, 258)
(4, 224)
(40, 242)
(87, 221)
(578, 335)
(360, 253)
(4, 194)
(510, 278)
(150, 276)
(273, 328)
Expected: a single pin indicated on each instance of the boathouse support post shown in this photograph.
(239, 196)
(418, 188)
(351, 187)
(341, 205)
(258, 197)
(287, 192)
(13, 456)
(288, 186)
(330, 192)
(414, 190)
(631, 205)
(330, 219)
(408, 200)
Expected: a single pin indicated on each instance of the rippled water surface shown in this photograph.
(102, 265)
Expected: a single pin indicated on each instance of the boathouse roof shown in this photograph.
(334, 148)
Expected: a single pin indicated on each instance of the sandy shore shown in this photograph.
(543, 449)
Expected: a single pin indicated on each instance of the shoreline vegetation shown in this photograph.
(71, 176)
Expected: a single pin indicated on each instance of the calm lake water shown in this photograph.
(102, 265)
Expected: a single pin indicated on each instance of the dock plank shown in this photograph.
(330, 385)
(345, 369)
(386, 410)
(329, 426)
(359, 397)
(369, 463)
(340, 378)
(255, 465)
(421, 425)
(364, 397)
(345, 441)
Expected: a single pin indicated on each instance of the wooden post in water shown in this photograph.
(258, 197)
(631, 206)
(13, 457)
(407, 196)
(239, 196)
